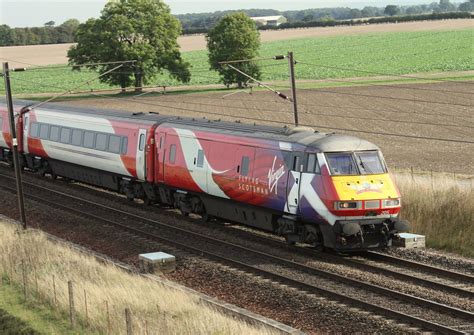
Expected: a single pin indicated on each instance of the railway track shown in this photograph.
(282, 271)
(435, 278)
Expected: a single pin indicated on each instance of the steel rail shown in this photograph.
(308, 287)
(383, 271)
(416, 265)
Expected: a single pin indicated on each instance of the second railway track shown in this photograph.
(389, 303)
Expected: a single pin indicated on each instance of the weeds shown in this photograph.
(440, 208)
(156, 309)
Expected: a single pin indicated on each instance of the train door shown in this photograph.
(294, 183)
(141, 155)
(26, 127)
(200, 167)
(160, 140)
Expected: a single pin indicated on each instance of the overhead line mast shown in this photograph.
(291, 64)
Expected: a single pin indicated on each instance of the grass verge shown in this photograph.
(440, 208)
(102, 292)
(397, 53)
(30, 317)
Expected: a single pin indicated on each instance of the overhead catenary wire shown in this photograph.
(378, 110)
(82, 84)
(326, 91)
(307, 125)
(323, 114)
(386, 73)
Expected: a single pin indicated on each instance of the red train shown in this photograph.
(328, 190)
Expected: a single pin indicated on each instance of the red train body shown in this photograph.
(324, 189)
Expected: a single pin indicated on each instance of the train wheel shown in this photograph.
(147, 201)
(289, 240)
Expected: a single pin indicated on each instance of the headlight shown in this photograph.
(338, 205)
(387, 203)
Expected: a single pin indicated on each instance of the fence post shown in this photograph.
(23, 270)
(36, 279)
(85, 304)
(72, 315)
(128, 320)
(54, 292)
(108, 317)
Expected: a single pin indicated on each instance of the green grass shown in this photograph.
(395, 53)
(33, 316)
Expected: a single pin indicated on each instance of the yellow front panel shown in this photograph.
(368, 187)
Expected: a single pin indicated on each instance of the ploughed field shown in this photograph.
(392, 116)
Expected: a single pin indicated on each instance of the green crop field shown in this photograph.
(396, 53)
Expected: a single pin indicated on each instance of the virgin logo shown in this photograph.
(274, 176)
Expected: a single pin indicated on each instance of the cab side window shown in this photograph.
(312, 165)
(200, 158)
(245, 166)
(172, 153)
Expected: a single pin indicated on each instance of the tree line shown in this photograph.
(48, 34)
(203, 22)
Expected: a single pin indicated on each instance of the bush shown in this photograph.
(10, 325)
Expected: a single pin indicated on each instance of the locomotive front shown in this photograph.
(352, 195)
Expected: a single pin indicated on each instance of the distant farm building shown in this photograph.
(269, 20)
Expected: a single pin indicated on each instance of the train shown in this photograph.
(331, 191)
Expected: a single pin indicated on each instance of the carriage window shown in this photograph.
(44, 131)
(124, 145)
(142, 142)
(101, 142)
(342, 164)
(200, 158)
(1, 124)
(89, 139)
(65, 135)
(172, 153)
(161, 142)
(54, 133)
(34, 129)
(76, 137)
(245, 166)
(114, 144)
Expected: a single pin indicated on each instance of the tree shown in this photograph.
(391, 10)
(369, 11)
(446, 6)
(412, 10)
(355, 13)
(6, 35)
(234, 37)
(466, 7)
(139, 30)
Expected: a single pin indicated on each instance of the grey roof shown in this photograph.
(301, 135)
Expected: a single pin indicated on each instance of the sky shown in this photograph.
(28, 13)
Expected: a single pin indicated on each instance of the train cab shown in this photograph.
(347, 188)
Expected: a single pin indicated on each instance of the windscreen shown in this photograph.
(341, 164)
(369, 162)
